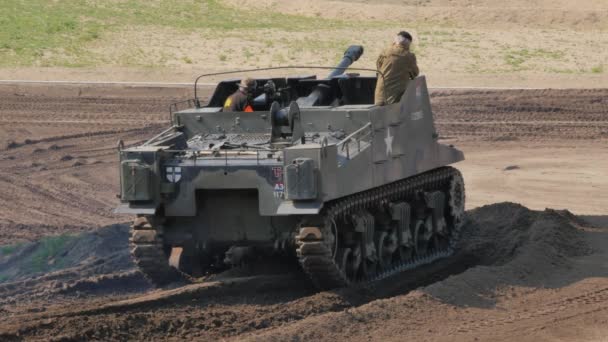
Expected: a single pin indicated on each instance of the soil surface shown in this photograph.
(534, 275)
(519, 274)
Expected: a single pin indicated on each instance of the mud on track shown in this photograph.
(508, 256)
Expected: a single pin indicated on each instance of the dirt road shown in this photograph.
(520, 274)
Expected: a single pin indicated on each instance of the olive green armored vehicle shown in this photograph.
(352, 192)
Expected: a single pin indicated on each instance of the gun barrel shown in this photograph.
(351, 55)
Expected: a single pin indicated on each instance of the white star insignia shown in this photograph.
(389, 142)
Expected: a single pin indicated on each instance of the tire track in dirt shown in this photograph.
(537, 115)
(58, 197)
(562, 309)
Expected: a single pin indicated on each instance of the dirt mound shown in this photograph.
(514, 246)
(498, 233)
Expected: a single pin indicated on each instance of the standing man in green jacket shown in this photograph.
(398, 65)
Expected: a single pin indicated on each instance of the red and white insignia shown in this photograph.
(277, 171)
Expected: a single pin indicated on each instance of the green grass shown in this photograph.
(9, 249)
(48, 254)
(434, 34)
(35, 32)
(563, 70)
(49, 249)
(248, 54)
(84, 33)
(279, 58)
(515, 58)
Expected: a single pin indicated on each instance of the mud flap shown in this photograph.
(299, 208)
(126, 208)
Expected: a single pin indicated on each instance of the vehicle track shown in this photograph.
(315, 254)
(593, 301)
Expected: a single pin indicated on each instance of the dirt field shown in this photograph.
(520, 274)
(520, 43)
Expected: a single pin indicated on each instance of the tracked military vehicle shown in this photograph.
(351, 191)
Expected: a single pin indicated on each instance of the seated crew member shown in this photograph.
(398, 65)
(240, 101)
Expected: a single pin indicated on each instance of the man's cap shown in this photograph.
(247, 83)
(406, 35)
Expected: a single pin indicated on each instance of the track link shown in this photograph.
(315, 251)
(147, 251)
